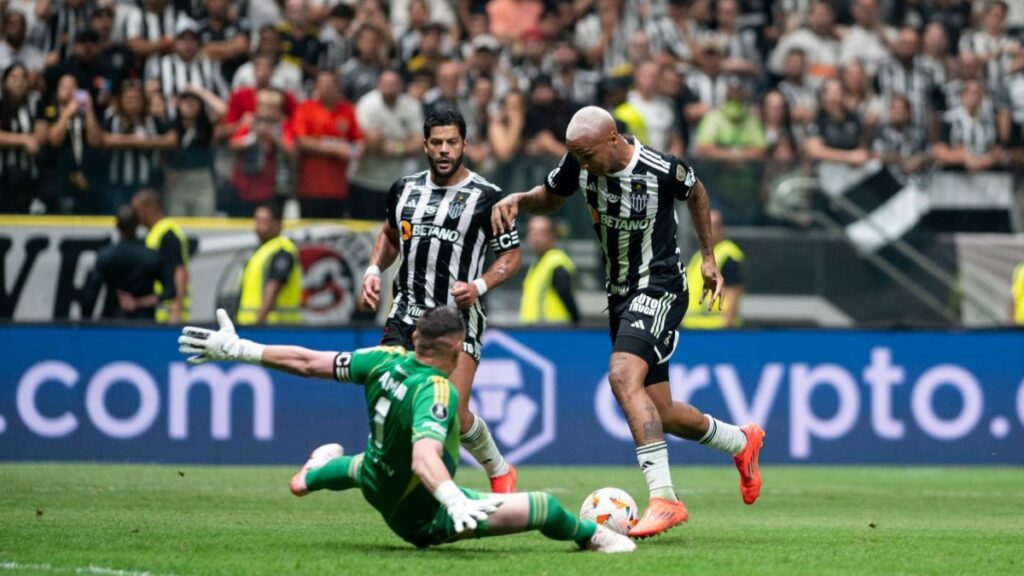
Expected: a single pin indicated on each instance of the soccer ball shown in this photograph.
(611, 508)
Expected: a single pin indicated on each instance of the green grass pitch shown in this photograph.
(126, 520)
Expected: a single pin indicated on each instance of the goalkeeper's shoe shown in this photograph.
(506, 483)
(322, 455)
(660, 515)
(746, 463)
(609, 542)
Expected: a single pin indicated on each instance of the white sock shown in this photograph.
(653, 460)
(724, 437)
(477, 440)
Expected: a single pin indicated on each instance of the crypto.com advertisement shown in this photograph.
(124, 394)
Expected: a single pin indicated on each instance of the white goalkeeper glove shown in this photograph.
(465, 513)
(204, 345)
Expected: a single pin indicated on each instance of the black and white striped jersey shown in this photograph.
(444, 233)
(634, 214)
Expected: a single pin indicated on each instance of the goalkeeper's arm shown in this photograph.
(205, 345)
(428, 465)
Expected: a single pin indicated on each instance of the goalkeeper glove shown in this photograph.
(204, 345)
(465, 513)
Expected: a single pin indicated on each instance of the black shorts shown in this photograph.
(644, 324)
(399, 333)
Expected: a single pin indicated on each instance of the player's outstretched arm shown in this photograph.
(223, 345)
(428, 465)
(538, 200)
(383, 255)
(700, 214)
(505, 266)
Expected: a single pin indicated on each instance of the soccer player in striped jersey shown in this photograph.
(631, 191)
(411, 456)
(439, 222)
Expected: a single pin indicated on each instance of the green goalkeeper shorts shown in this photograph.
(438, 529)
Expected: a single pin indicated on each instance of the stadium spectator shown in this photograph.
(334, 37)
(63, 22)
(15, 48)
(391, 124)
(740, 51)
(263, 145)
(731, 133)
(89, 68)
(224, 37)
(286, 77)
(397, 22)
(818, 41)
(505, 130)
(428, 53)
(548, 288)
(69, 179)
(191, 190)
(115, 59)
(166, 238)
(272, 278)
(150, 32)
(477, 111)
(907, 74)
(186, 66)
(446, 90)
(602, 36)
(638, 51)
(969, 138)
(858, 95)
(21, 137)
(485, 60)
(300, 38)
(242, 102)
(674, 34)
(408, 42)
(935, 57)
(801, 96)
(361, 72)
(660, 117)
(991, 44)
(574, 84)
(546, 119)
(838, 135)
(868, 40)
(134, 137)
(781, 138)
(510, 19)
(730, 261)
(128, 270)
(707, 83)
(328, 138)
(900, 143)
(534, 58)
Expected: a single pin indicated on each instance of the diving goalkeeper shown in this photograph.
(411, 456)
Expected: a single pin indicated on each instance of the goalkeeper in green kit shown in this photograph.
(412, 453)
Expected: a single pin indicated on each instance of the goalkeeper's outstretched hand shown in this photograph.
(466, 514)
(205, 345)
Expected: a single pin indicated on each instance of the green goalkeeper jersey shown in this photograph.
(406, 401)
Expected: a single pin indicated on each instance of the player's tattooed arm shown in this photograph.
(538, 200)
(700, 214)
(504, 267)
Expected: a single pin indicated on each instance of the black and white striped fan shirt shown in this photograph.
(62, 27)
(151, 27)
(175, 75)
(634, 214)
(444, 234)
(129, 166)
(976, 134)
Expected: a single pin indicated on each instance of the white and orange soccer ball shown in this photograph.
(612, 508)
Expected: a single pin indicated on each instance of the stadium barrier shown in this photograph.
(124, 394)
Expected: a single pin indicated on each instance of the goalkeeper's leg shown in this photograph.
(327, 469)
(527, 511)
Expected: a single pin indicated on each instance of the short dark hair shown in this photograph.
(127, 220)
(275, 208)
(444, 117)
(440, 322)
(342, 11)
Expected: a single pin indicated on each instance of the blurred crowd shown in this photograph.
(223, 105)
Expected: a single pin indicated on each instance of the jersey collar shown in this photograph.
(460, 184)
(632, 162)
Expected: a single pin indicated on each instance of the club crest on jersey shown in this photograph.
(638, 196)
(458, 205)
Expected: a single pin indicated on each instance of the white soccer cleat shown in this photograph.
(609, 542)
(322, 455)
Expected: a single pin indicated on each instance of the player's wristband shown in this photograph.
(250, 352)
(371, 271)
(481, 286)
(447, 493)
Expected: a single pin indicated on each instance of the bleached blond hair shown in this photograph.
(589, 122)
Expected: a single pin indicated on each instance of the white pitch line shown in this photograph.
(90, 569)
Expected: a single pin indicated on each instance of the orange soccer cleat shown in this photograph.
(506, 483)
(660, 515)
(746, 463)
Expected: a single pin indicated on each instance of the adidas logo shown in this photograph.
(647, 464)
(639, 324)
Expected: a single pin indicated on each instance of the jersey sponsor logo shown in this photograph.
(644, 304)
(439, 411)
(618, 289)
(458, 205)
(413, 311)
(616, 223)
(432, 231)
(406, 229)
(514, 392)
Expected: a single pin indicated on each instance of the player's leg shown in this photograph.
(327, 469)
(527, 511)
(742, 443)
(474, 435)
